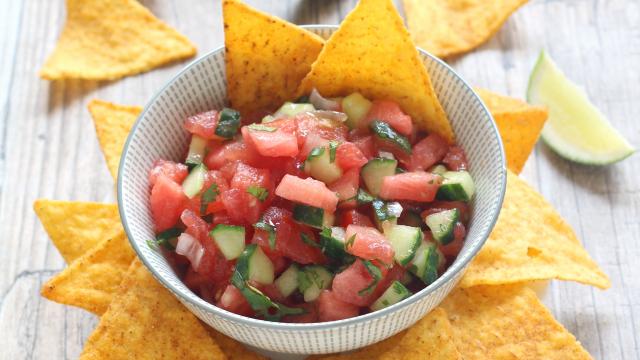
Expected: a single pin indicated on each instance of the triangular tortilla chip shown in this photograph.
(234, 350)
(450, 27)
(507, 322)
(91, 280)
(107, 40)
(75, 227)
(519, 124)
(372, 53)
(113, 123)
(145, 321)
(430, 338)
(266, 57)
(531, 242)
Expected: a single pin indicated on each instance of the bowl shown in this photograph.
(201, 86)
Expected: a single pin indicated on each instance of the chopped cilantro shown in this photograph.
(208, 196)
(307, 240)
(261, 127)
(259, 192)
(261, 225)
(375, 273)
(317, 151)
(350, 241)
(333, 146)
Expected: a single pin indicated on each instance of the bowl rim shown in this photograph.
(458, 265)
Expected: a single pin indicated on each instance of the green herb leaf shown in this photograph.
(228, 123)
(307, 240)
(350, 241)
(208, 196)
(363, 197)
(375, 272)
(317, 151)
(333, 146)
(259, 192)
(261, 127)
(166, 239)
(261, 225)
(304, 282)
(386, 211)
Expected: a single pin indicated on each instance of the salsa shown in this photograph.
(324, 210)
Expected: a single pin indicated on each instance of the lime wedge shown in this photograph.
(576, 129)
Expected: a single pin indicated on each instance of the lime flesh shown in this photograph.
(576, 129)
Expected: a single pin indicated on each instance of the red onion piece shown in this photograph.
(190, 247)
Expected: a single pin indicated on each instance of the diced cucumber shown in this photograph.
(320, 166)
(425, 263)
(192, 185)
(386, 155)
(356, 107)
(287, 282)
(384, 131)
(386, 214)
(375, 170)
(312, 280)
(395, 293)
(293, 109)
(197, 149)
(457, 185)
(228, 123)
(254, 265)
(405, 241)
(332, 243)
(312, 216)
(438, 169)
(268, 119)
(442, 225)
(230, 240)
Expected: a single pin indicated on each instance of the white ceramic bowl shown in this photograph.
(158, 133)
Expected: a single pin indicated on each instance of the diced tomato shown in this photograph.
(416, 186)
(365, 143)
(452, 249)
(242, 207)
(347, 187)
(369, 244)
(281, 142)
(350, 285)
(438, 206)
(233, 300)
(332, 308)
(174, 171)
(427, 152)
(310, 315)
(389, 112)
(167, 202)
(211, 177)
(203, 124)
(354, 217)
(456, 159)
(230, 152)
(307, 191)
(349, 156)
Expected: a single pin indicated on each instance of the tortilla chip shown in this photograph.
(430, 338)
(373, 54)
(113, 123)
(519, 124)
(507, 322)
(91, 280)
(145, 321)
(266, 57)
(531, 242)
(450, 27)
(107, 40)
(234, 350)
(75, 227)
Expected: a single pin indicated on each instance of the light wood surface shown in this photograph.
(48, 149)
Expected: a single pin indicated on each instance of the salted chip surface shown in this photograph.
(372, 53)
(113, 123)
(519, 124)
(107, 40)
(90, 281)
(507, 322)
(530, 241)
(145, 321)
(75, 227)
(451, 27)
(430, 338)
(234, 350)
(266, 57)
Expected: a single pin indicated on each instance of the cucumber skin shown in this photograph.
(192, 181)
(427, 270)
(452, 189)
(385, 132)
(375, 170)
(308, 215)
(228, 123)
(413, 249)
(447, 236)
(396, 291)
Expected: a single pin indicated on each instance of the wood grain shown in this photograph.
(48, 149)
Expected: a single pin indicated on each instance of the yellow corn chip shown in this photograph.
(531, 242)
(107, 40)
(430, 338)
(91, 280)
(507, 322)
(113, 123)
(266, 57)
(75, 227)
(519, 124)
(450, 27)
(234, 350)
(145, 321)
(373, 54)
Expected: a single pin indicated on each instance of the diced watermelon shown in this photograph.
(232, 300)
(203, 124)
(395, 274)
(167, 202)
(416, 186)
(427, 152)
(456, 159)
(327, 129)
(389, 112)
(452, 249)
(347, 187)
(246, 176)
(281, 142)
(369, 244)
(242, 207)
(307, 191)
(174, 171)
(230, 152)
(365, 143)
(438, 206)
(211, 177)
(349, 156)
(350, 285)
(331, 308)
(354, 217)
(312, 141)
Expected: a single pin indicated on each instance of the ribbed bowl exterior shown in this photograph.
(201, 86)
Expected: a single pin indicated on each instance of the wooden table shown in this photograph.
(48, 149)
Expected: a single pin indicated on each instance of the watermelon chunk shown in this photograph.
(347, 187)
(354, 217)
(349, 156)
(331, 308)
(369, 244)
(389, 112)
(203, 124)
(427, 152)
(416, 186)
(307, 191)
(351, 285)
(280, 142)
(167, 202)
(174, 171)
